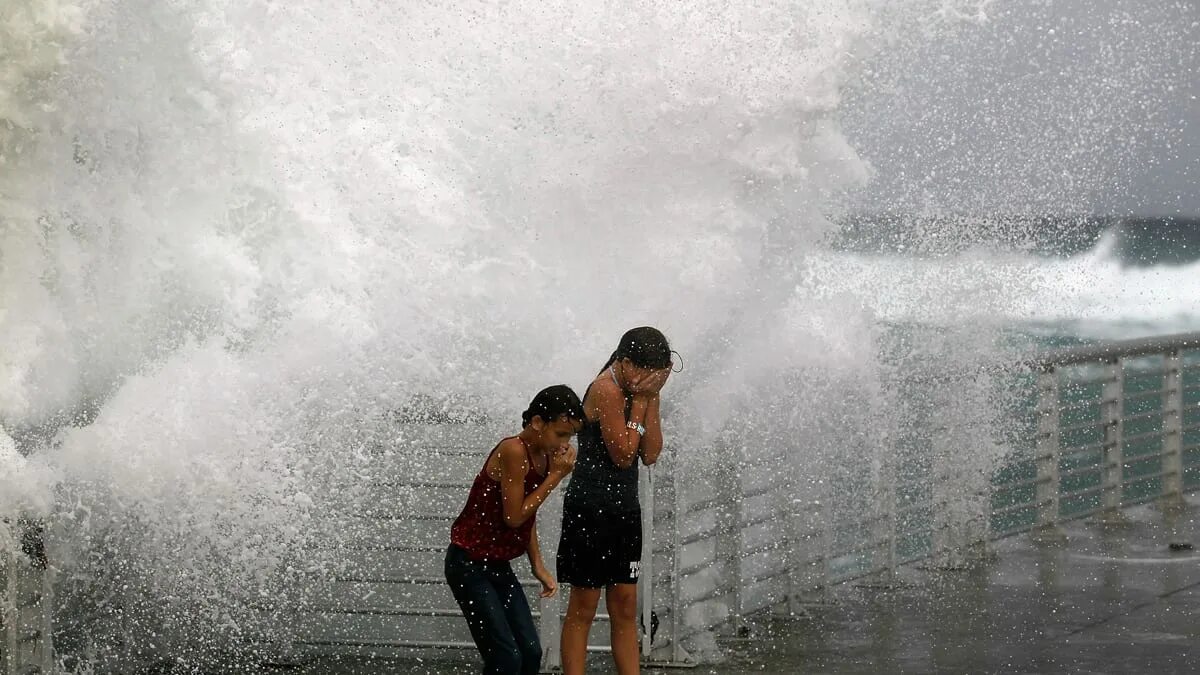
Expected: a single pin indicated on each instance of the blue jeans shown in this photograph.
(497, 612)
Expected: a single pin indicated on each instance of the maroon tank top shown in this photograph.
(480, 530)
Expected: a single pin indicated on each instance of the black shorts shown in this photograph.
(599, 548)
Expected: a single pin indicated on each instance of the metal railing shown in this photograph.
(1116, 425)
(26, 645)
(1112, 426)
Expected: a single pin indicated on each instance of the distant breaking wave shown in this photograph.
(1139, 241)
(1134, 280)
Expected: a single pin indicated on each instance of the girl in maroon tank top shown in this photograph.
(498, 524)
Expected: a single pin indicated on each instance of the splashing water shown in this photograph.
(234, 236)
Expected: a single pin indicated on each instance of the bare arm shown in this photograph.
(621, 442)
(652, 442)
(518, 507)
(549, 585)
(535, 551)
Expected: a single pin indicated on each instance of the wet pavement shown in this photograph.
(1103, 599)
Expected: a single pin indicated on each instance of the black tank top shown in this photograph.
(597, 482)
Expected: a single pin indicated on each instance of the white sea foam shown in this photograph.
(236, 235)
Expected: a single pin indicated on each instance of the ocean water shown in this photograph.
(1063, 279)
(237, 237)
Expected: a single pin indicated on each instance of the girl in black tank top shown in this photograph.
(598, 483)
(601, 543)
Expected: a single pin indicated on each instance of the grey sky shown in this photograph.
(1071, 106)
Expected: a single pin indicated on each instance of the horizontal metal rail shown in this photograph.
(1145, 394)
(1110, 352)
(389, 644)
(1078, 405)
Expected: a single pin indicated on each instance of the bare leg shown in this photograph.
(622, 610)
(581, 609)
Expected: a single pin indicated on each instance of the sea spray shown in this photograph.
(245, 234)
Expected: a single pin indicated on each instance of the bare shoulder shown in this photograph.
(604, 393)
(510, 455)
(605, 389)
(511, 448)
(511, 452)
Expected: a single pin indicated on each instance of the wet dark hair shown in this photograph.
(554, 402)
(645, 347)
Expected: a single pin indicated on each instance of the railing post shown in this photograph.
(811, 534)
(947, 486)
(825, 543)
(943, 486)
(960, 491)
(1172, 411)
(884, 528)
(678, 655)
(646, 579)
(890, 557)
(1113, 456)
(8, 608)
(729, 536)
(27, 648)
(1047, 458)
(549, 632)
